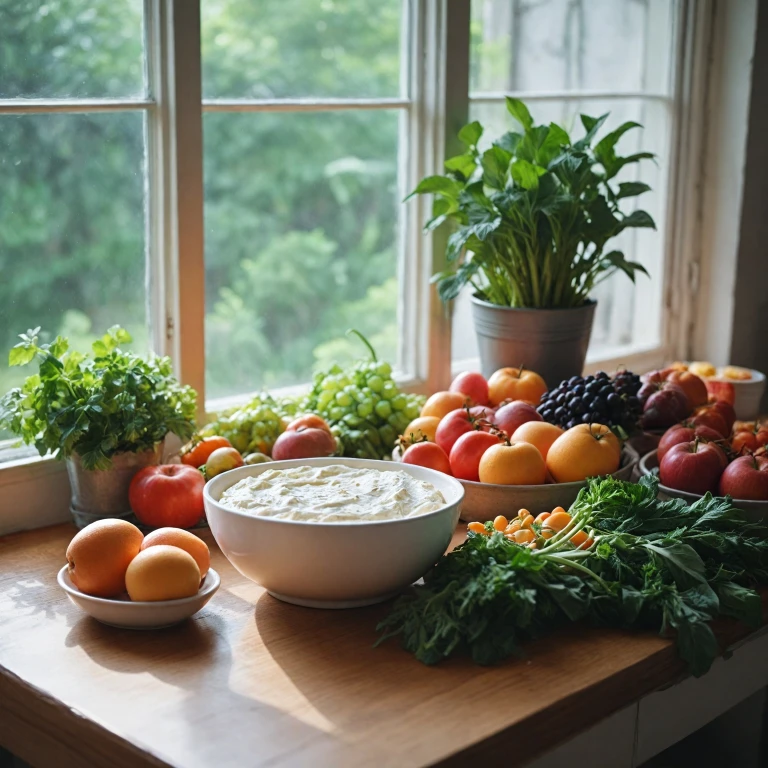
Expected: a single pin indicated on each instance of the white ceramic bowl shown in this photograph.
(332, 565)
(756, 511)
(746, 394)
(140, 615)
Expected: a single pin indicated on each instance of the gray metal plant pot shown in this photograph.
(98, 493)
(552, 342)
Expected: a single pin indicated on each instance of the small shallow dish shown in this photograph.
(128, 614)
(745, 395)
(332, 565)
(756, 511)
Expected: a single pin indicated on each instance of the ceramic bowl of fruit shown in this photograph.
(691, 470)
(125, 579)
(512, 443)
(741, 387)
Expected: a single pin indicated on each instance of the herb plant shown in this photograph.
(97, 406)
(653, 564)
(535, 213)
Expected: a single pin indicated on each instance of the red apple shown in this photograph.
(726, 411)
(662, 408)
(509, 417)
(467, 452)
(694, 467)
(694, 387)
(681, 433)
(746, 478)
(451, 427)
(304, 443)
(222, 460)
(706, 415)
(167, 495)
(473, 385)
(308, 420)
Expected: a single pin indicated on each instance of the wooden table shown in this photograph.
(251, 681)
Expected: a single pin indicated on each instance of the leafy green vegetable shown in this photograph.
(95, 406)
(652, 564)
(535, 212)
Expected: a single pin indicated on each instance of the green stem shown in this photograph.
(578, 567)
(365, 341)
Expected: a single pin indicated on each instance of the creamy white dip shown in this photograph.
(333, 494)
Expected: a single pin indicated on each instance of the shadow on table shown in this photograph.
(213, 724)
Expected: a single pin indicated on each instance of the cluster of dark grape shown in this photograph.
(594, 399)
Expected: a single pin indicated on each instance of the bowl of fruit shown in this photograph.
(694, 459)
(125, 579)
(512, 443)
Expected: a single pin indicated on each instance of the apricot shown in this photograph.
(442, 403)
(515, 464)
(99, 555)
(178, 537)
(587, 450)
(540, 434)
(162, 572)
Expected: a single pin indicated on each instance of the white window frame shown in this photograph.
(435, 79)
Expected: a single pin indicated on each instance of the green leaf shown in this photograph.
(683, 562)
(441, 209)
(604, 149)
(526, 174)
(59, 346)
(591, 125)
(470, 134)
(441, 185)
(462, 164)
(520, 112)
(632, 189)
(100, 349)
(639, 219)
(741, 603)
(508, 141)
(495, 162)
(21, 354)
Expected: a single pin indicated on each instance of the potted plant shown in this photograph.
(106, 414)
(535, 213)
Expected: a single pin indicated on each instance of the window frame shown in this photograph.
(434, 105)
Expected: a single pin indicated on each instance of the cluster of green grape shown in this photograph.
(254, 426)
(364, 406)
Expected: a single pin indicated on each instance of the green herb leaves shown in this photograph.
(654, 564)
(548, 210)
(95, 406)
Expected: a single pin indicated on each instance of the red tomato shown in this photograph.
(452, 427)
(167, 495)
(467, 452)
(473, 385)
(428, 455)
(196, 452)
(311, 420)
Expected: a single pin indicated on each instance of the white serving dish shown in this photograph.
(746, 394)
(128, 614)
(756, 511)
(332, 565)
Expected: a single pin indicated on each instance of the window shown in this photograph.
(566, 57)
(317, 119)
(303, 108)
(73, 122)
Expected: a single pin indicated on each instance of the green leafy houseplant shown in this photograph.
(95, 406)
(534, 213)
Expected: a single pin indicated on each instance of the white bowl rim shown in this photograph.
(329, 461)
(757, 376)
(210, 585)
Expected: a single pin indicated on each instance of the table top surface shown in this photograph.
(253, 681)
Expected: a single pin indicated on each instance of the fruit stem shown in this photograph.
(365, 341)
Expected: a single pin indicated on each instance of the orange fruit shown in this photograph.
(423, 426)
(515, 384)
(586, 450)
(99, 555)
(515, 464)
(442, 403)
(162, 572)
(178, 537)
(538, 433)
(705, 370)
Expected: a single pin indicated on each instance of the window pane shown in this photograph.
(71, 49)
(71, 229)
(627, 315)
(294, 48)
(568, 45)
(300, 234)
